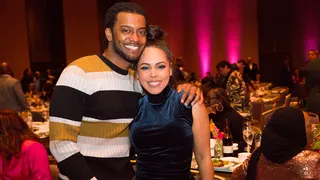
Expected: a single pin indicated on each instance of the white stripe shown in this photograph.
(92, 82)
(104, 148)
(122, 120)
(61, 150)
(74, 77)
(64, 121)
(61, 176)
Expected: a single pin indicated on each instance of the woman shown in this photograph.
(219, 109)
(165, 132)
(282, 154)
(21, 157)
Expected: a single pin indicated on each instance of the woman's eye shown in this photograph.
(161, 66)
(144, 68)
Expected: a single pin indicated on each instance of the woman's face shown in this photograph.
(308, 123)
(312, 55)
(154, 70)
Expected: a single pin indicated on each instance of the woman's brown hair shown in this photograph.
(13, 131)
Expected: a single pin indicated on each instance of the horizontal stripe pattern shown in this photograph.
(120, 120)
(112, 105)
(99, 147)
(91, 64)
(91, 109)
(61, 150)
(104, 129)
(92, 82)
(61, 131)
(65, 121)
(68, 103)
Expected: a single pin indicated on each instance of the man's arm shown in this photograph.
(66, 110)
(20, 96)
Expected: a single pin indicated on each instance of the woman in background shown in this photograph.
(219, 109)
(282, 154)
(165, 131)
(21, 156)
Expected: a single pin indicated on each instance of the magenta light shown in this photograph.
(233, 29)
(311, 27)
(202, 17)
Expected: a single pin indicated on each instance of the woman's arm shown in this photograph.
(38, 162)
(201, 135)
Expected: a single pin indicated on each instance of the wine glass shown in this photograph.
(247, 134)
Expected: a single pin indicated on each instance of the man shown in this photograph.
(239, 66)
(313, 85)
(11, 94)
(38, 81)
(252, 70)
(208, 78)
(95, 100)
(235, 87)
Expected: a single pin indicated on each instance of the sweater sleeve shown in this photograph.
(38, 162)
(66, 112)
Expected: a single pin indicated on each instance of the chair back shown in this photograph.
(287, 100)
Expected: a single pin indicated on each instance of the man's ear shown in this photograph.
(108, 34)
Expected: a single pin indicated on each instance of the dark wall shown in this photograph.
(103, 6)
(45, 30)
(286, 27)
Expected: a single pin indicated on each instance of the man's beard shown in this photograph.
(117, 49)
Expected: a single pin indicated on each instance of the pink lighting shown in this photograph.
(202, 18)
(233, 29)
(311, 29)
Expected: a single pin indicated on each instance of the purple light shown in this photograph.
(202, 18)
(310, 24)
(233, 29)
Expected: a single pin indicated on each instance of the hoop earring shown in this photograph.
(219, 107)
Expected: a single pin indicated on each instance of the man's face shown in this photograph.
(129, 36)
(224, 71)
(312, 55)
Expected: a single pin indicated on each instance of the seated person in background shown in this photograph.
(26, 80)
(21, 156)
(208, 78)
(47, 90)
(282, 154)
(219, 109)
(165, 132)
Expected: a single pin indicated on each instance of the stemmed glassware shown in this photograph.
(247, 134)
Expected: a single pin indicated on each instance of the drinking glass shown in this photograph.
(247, 134)
(257, 140)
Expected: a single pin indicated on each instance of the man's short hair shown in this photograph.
(222, 64)
(111, 15)
(242, 61)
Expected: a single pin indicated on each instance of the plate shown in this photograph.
(225, 167)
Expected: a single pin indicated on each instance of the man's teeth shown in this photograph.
(132, 47)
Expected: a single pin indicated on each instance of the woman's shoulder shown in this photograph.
(28, 144)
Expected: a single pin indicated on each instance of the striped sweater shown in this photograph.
(93, 103)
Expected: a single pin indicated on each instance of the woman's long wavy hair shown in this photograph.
(13, 131)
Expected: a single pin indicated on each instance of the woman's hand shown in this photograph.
(191, 94)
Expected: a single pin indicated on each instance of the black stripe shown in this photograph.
(112, 66)
(75, 167)
(112, 104)
(67, 102)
